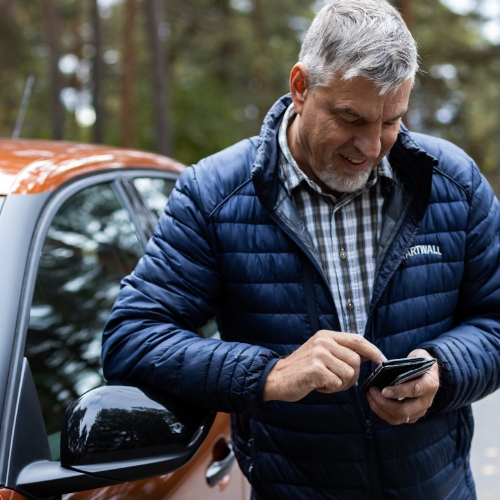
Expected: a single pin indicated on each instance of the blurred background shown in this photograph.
(189, 77)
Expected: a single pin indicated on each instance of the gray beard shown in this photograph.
(344, 183)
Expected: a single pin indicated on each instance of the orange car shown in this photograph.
(74, 219)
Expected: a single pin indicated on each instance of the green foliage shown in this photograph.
(227, 75)
(14, 55)
(229, 60)
(461, 107)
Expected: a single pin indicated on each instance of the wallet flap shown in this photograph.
(397, 371)
(404, 377)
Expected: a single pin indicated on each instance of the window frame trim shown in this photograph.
(44, 219)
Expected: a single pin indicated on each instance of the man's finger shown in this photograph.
(359, 344)
(331, 345)
(423, 386)
(332, 383)
(396, 412)
(406, 390)
(391, 411)
(345, 369)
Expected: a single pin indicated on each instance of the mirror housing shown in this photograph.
(123, 431)
(119, 433)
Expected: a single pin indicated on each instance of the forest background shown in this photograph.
(190, 77)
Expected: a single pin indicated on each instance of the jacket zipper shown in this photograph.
(368, 441)
(370, 447)
(374, 476)
(307, 272)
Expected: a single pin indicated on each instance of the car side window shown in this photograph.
(155, 192)
(90, 246)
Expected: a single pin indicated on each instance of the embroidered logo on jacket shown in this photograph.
(423, 250)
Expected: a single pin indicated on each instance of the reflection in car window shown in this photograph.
(90, 246)
(210, 330)
(155, 192)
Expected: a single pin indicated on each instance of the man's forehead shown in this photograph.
(359, 95)
(363, 87)
(359, 114)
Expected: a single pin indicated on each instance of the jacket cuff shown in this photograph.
(263, 378)
(445, 379)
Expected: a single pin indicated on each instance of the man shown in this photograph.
(335, 238)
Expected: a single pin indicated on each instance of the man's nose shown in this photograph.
(369, 141)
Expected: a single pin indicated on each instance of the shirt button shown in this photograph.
(350, 305)
(343, 254)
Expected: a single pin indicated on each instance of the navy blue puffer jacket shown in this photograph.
(231, 244)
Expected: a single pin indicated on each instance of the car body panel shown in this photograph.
(29, 167)
(16, 221)
(6, 494)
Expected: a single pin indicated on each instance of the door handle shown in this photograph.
(221, 468)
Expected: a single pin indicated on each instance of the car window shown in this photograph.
(2, 199)
(90, 246)
(155, 192)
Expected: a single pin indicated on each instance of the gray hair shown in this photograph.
(367, 38)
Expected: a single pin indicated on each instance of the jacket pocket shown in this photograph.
(465, 430)
(242, 441)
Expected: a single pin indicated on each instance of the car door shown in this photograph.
(94, 232)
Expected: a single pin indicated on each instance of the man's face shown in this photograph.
(344, 130)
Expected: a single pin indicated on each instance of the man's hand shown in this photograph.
(328, 362)
(406, 403)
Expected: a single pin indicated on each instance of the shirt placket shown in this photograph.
(340, 251)
(343, 244)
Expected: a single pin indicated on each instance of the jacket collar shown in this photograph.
(415, 169)
(413, 164)
(265, 168)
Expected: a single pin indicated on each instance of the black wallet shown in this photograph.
(397, 371)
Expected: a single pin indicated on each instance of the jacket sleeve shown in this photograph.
(176, 287)
(469, 354)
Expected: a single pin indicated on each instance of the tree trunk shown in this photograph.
(262, 62)
(406, 9)
(497, 176)
(98, 130)
(225, 49)
(7, 8)
(128, 80)
(160, 68)
(53, 40)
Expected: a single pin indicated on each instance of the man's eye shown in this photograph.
(348, 119)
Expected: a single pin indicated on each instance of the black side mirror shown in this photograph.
(118, 433)
(127, 432)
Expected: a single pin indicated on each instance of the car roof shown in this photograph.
(37, 166)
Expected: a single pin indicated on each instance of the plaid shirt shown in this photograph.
(345, 231)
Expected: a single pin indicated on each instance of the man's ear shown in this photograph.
(298, 86)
